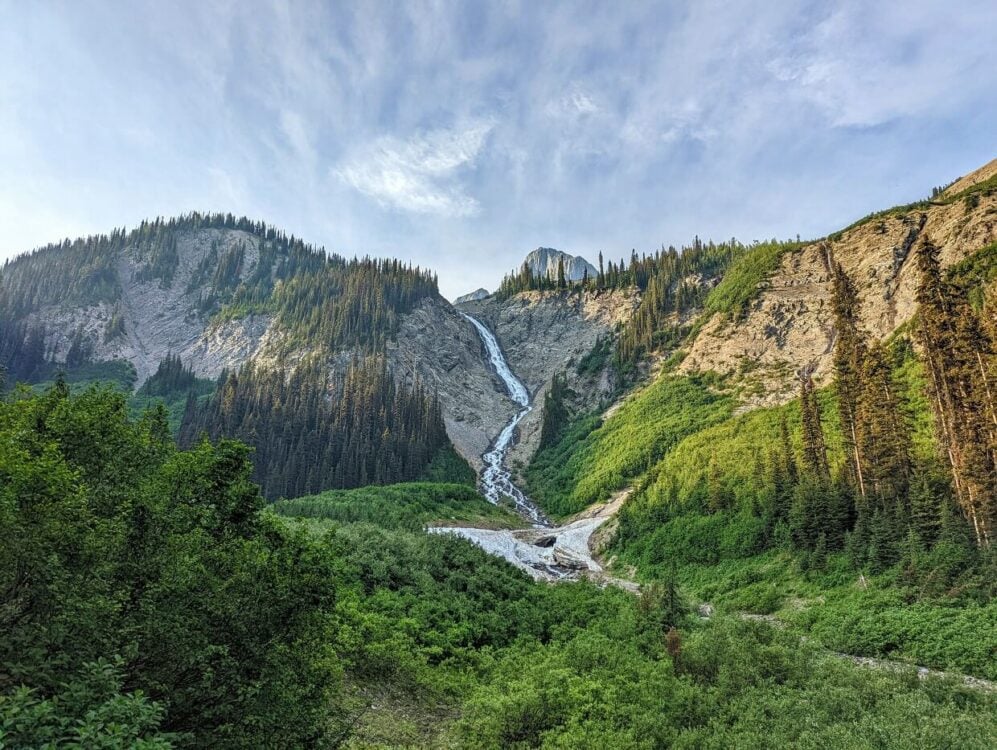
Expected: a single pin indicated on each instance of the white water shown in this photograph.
(496, 481)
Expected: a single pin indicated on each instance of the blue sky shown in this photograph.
(460, 135)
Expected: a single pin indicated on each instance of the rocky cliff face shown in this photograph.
(543, 333)
(164, 318)
(786, 326)
(434, 344)
(442, 350)
(789, 324)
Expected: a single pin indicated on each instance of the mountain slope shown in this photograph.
(214, 290)
(544, 334)
(226, 295)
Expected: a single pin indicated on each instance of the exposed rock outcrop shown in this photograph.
(440, 348)
(164, 318)
(544, 261)
(982, 174)
(790, 322)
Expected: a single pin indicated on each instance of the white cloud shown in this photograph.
(420, 174)
(574, 104)
(866, 65)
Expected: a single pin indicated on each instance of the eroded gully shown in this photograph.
(544, 551)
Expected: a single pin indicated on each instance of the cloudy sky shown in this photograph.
(460, 135)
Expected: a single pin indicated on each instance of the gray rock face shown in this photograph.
(477, 294)
(161, 320)
(543, 262)
(543, 333)
(443, 351)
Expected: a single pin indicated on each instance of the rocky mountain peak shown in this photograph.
(475, 296)
(543, 262)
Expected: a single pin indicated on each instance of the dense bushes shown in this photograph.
(148, 602)
(409, 505)
(732, 684)
(120, 550)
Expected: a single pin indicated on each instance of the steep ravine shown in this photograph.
(544, 333)
(545, 552)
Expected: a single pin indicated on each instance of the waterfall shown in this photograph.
(496, 480)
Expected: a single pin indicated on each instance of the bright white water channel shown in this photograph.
(496, 481)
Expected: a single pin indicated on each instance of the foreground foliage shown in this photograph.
(409, 505)
(142, 592)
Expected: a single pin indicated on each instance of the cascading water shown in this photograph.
(496, 481)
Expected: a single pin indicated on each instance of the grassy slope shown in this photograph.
(594, 459)
(742, 281)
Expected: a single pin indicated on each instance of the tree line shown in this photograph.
(851, 467)
(320, 299)
(671, 282)
(313, 430)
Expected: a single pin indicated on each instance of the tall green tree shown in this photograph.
(814, 445)
(959, 356)
(849, 353)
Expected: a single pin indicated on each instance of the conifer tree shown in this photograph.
(814, 447)
(882, 432)
(849, 352)
(555, 412)
(958, 355)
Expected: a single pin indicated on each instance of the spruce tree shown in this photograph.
(881, 431)
(849, 352)
(958, 355)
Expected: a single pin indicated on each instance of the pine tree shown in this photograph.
(849, 352)
(925, 508)
(959, 355)
(555, 412)
(881, 431)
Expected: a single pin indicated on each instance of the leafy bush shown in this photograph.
(117, 546)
